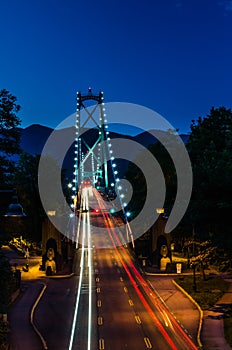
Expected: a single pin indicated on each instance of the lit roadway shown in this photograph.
(115, 308)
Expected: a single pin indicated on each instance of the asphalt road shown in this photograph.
(130, 314)
(106, 305)
(53, 315)
(23, 336)
(178, 304)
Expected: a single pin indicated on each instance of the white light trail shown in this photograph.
(86, 242)
(79, 224)
(79, 285)
(90, 278)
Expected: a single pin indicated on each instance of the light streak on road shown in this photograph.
(84, 219)
(139, 284)
(164, 321)
(135, 285)
(90, 276)
(78, 291)
(79, 225)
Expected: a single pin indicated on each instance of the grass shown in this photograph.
(228, 325)
(3, 335)
(207, 294)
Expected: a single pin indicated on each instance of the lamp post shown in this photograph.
(14, 218)
(15, 209)
(194, 262)
(194, 277)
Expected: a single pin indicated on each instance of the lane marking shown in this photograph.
(125, 289)
(101, 344)
(82, 262)
(98, 289)
(138, 319)
(99, 303)
(97, 279)
(131, 302)
(100, 320)
(148, 343)
(90, 277)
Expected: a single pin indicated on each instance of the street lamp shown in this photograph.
(15, 209)
(160, 210)
(14, 217)
(194, 262)
(194, 277)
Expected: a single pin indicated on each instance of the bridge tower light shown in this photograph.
(93, 163)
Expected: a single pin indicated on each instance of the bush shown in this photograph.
(3, 335)
(208, 292)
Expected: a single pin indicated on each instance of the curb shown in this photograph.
(43, 341)
(60, 276)
(174, 274)
(15, 295)
(199, 309)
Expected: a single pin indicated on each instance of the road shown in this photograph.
(107, 305)
(177, 302)
(130, 315)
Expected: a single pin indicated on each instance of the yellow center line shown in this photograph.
(148, 343)
(138, 319)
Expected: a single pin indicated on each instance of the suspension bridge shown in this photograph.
(94, 162)
(115, 307)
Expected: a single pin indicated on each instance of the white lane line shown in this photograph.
(90, 277)
(79, 224)
(79, 286)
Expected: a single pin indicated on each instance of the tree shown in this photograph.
(26, 182)
(6, 282)
(9, 134)
(136, 177)
(210, 150)
(203, 254)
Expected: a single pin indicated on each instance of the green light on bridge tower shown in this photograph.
(91, 159)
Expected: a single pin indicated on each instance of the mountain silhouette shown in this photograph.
(34, 137)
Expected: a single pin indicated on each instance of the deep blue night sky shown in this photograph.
(173, 56)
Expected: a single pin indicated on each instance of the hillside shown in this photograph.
(34, 137)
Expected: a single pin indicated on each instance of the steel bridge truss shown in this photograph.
(91, 165)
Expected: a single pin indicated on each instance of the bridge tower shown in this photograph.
(91, 153)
